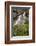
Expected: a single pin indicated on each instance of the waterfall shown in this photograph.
(21, 19)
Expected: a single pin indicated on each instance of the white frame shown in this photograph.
(30, 25)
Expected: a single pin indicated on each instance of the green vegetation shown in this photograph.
(21, 30)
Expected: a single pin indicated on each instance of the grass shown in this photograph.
(21, 30)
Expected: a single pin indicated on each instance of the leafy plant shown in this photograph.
(21, 30)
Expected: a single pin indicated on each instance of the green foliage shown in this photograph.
(21, 30)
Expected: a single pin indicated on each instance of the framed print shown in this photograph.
(19, 22)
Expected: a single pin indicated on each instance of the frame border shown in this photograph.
(7, 22)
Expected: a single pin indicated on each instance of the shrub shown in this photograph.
(21, 30)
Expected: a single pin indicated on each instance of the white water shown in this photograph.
(20, 19)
